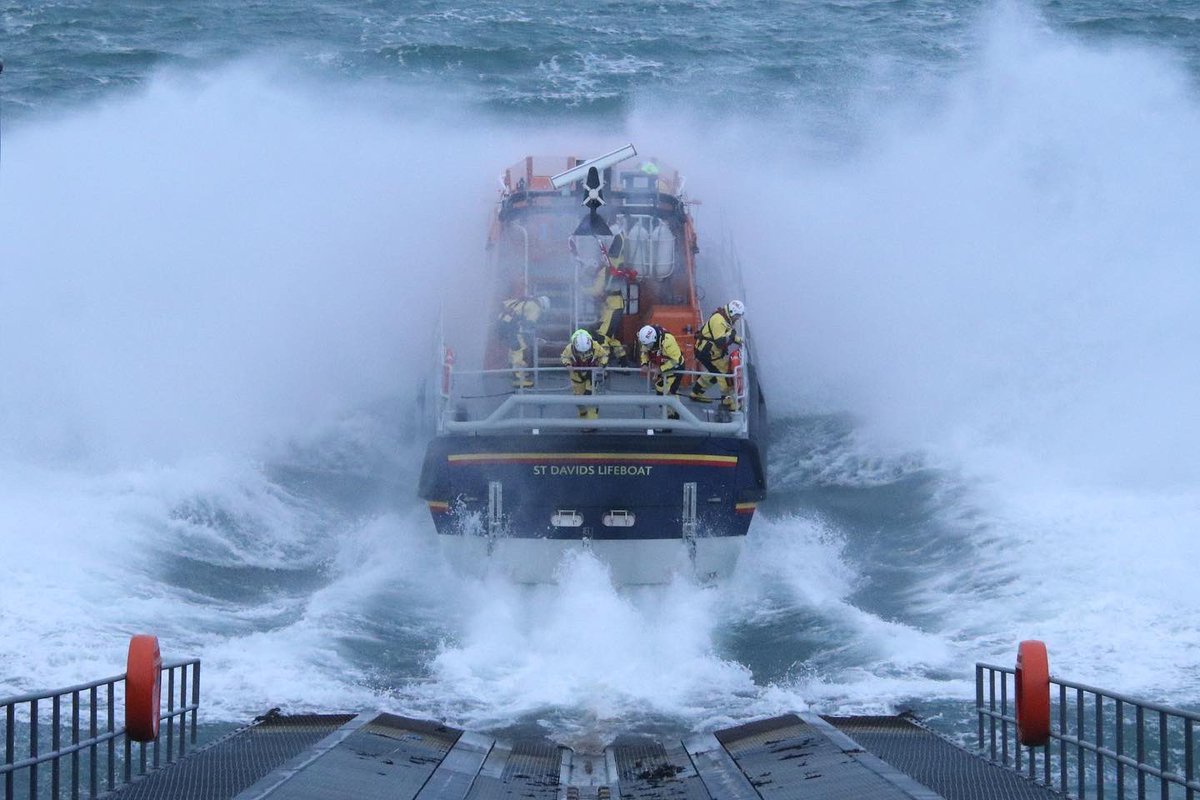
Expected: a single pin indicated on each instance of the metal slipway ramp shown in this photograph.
(1037, 736)
(379, 755)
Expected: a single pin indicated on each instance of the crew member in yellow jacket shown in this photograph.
(608, 287)
(584, 356)
(515, 326)
(660, 349)
(713, 345)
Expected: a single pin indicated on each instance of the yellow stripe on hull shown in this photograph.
(700, 459)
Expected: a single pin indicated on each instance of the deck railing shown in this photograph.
(630, 405)
(79, 724)
(1102, 744)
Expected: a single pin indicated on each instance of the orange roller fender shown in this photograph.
(1033, 693)
(143, 689)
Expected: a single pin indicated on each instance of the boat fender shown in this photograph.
(739, 374)
(447, 372)
(143, 688)
(1033, 693)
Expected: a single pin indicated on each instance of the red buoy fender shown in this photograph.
(143, 688)
(1033, 693)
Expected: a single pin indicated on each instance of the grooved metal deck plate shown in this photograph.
(793, 757)
(931, 760)
(787, 759)
(648, 771)
(229, 765)
(388, 757)
(524, 771)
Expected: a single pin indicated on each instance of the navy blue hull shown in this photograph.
(596, 477)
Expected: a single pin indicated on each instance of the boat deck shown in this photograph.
(377, 755)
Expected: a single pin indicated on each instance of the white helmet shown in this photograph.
(735, 308)
(647, 335)
(544, 302)
(581, 340)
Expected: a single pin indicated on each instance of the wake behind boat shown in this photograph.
(589, 420)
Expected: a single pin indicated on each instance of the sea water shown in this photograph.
(969, 246)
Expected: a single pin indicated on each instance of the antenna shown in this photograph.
(600, 162)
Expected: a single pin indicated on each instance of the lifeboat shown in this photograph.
(523, 470)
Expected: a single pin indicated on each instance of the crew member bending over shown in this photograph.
(609, 289)
(660, 349)
(713, 345)
(584, 355)
(515, 326)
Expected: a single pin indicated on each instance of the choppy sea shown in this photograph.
(968, 231)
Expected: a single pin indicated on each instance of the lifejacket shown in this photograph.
(717, 334)
(661, 355)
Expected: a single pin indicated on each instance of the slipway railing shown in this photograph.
(1097, 743)
(72, 737)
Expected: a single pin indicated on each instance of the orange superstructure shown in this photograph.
(535, 253)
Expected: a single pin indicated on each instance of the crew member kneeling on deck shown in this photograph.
(713, 345)
(660, 349)
(584, 355)
(515, 326)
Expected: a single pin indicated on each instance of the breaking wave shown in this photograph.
(974, 320)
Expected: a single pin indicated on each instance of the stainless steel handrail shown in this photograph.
(503, 417)
(1087, 754)
(88, 748)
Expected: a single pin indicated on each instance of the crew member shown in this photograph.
(516, 324)
(584, 355)
(660, 349)
(713, 345)
(609, 289)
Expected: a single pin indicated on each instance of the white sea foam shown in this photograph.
(998, 287)
(1002, 281)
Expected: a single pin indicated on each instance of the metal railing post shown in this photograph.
(1120, 750)
(170, 719)
(1046, 759)
(75, 743)
(93, 767)
(1099, 746)
(1062, 742)
(195, 696)
(1189, 758)
(1141, 752)
(992, 708)
(1164, 756)
(10, 723)
(182, 705)
(33, 747)
(1080, 758)
(55, 742)
(979, 703)
(1004, 725)
(112, 742)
